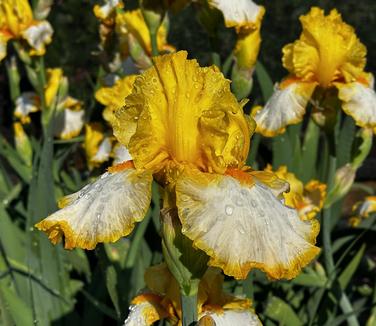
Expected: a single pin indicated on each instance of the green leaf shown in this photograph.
(18, 309)
(309, 152)
(348, 272)
(264, 80)
(280, 311)
(310, 278)
(111, 283)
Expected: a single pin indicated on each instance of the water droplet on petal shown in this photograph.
(229, 209)
(241, 229)
(253, 203)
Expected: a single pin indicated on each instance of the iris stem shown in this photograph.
(154, 43)
(189, 309)
(326, 233)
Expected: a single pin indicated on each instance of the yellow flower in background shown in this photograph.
(69, 118)
(113, 97)
(246, 17)
(97, 146)
(184, 127)
(328, 55)
(17, 22)
(26, 103)
(162, 300)
(107, 10)
(362, 210)
(307, 199)
(131, 24)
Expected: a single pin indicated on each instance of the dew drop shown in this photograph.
(253, 203)
(238, 201)
(241, 229)
(229, 209)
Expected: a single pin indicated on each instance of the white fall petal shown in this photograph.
(359, 101)
(102, 211)
(242, 227)
(286, 106)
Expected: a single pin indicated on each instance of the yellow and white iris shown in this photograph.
(183, 126)
(246, 17)
(131, 26)
(327, 56)
(307, 199)
(69, 118)
(17, 22)
(362, 210)
(161, 300)
(113, 97)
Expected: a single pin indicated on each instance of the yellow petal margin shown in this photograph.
(244, 227)
(102, 211)
(183, 113)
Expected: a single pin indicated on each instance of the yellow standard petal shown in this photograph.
(242, 226)
(103, 211)
(113, 97)
(328, 50)
(286, 106)
(132, 22)
(359, 101)
(181, 113)
(54, 80)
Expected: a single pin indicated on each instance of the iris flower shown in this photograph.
(246, 17)
(307, 199)
(161, 300)
(69, 113)
(327, 58)
(362, 210)
(113, 97)
(184, 128)
(17, 22)
(131, 26)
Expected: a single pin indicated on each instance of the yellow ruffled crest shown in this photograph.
(179, 112)
(132, 22)
(242, 227)
(113, 97)
(327, 51)
(103, 211)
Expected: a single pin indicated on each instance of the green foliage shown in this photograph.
(43, 284)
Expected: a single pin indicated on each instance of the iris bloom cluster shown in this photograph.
(68, 110)
(186, 130)
(161, 300)
(327, 61)
(17, 23)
